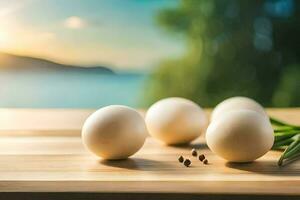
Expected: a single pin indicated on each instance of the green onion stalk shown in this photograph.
(287, 139)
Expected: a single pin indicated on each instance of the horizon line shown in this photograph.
(112, 67)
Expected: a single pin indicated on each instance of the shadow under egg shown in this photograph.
(137, 164)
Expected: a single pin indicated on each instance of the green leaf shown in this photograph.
(277, 122)
(284, 129)
(285, 135)
(292, 150)
(281, 143)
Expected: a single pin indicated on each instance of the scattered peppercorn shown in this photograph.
(194, 152)
(201, 157)
(181, 159)
(187, 162)
(205, 161)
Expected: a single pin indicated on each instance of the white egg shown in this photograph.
(114, 132)
(175, 120)
(240, 136)
(236, 103)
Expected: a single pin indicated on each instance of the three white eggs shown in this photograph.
(239, 131)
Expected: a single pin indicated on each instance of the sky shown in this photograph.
(118, 33)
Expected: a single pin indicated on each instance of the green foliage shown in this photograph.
(288, 92)
(233, 48)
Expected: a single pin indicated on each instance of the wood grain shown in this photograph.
(41, 151)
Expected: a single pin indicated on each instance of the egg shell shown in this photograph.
(114, 132)
(236, 103)
(175, 120)
(240, 136)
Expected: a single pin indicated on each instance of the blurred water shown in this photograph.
(69, 90)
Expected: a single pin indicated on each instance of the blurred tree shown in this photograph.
(289, 87)
(233, 48)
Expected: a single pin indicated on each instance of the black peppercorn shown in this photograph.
(194, 152)
(181, 159)
(201, 157)
(205, 161)
(187, 162)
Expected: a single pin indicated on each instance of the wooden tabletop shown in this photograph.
(41, 151)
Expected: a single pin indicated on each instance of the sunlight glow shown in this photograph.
(4, 39)
(115, 38)
(74, 22)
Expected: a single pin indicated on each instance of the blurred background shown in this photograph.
(93, 53)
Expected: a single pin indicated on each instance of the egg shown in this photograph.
(236, 103)
(175, 120)
(240, 136)
(114, 132)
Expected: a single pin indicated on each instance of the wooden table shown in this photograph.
(41, 156)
